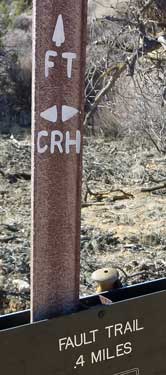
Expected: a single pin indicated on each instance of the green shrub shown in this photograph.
(5, 17)
(21, 6)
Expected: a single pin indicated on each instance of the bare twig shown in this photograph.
(149, 45)
(147, 4)
(116, 72)
(153, 188)
(129, 195)
(127, 276)
(151, 178)
(84, 205)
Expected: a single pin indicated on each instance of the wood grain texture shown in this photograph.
(56, 183)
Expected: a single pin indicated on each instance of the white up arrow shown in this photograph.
(59, 35)
(51, 113)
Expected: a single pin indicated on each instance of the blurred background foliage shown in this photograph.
(125, 82)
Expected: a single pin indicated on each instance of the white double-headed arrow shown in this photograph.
(51, 114)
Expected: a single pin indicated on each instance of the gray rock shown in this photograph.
(21, 285)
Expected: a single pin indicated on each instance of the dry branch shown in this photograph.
(99, 196)
(147, 4)
(149, 45)
(117, 71)
(153, 188)
(84, 205)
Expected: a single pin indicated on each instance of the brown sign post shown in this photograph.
(59, 40)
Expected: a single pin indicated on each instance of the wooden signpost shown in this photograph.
(59, 40)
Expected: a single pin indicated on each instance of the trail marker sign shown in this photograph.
(59, 43)
(127, 338)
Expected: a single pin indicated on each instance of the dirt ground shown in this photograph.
(127, 225)
(121, 225)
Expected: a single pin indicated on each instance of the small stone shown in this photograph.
(134, 239)
(21, 285)
(119, 206)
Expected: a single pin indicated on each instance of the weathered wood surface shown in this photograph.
(59, 41)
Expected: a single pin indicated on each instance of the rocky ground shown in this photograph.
(102, 8)
(122, 226)
(14, 224)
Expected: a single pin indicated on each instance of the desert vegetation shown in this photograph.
(124, 182)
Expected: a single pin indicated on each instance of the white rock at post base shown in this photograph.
(21, 285)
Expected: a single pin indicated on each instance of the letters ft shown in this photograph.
(59, 39)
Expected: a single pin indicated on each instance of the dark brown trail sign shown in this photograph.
(126, 338)
(59, 39)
